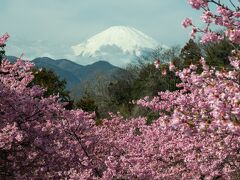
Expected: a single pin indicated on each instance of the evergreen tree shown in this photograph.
(2, 52)
(3, 40)
(87, 103)
(216, 54)
(51, 82)
(190, 53)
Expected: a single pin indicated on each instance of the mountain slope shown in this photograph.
(73, 73)
(76, 74)
(126, 38)
(61, 71)
(118, 45)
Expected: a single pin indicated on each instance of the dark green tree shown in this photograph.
(87, 103)
(120, 93)
(190, 53)
(51, 82)
(2, 52)
(151, 81)
(216, 54)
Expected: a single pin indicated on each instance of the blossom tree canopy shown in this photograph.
(197, 134)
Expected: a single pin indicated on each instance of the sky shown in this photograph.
(50, 27)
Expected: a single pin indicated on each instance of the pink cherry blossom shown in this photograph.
(211, 37)
(187, 22)
(193, 32)
(157, 63)
(195, 135)
(171, 66)
(197, 4)
(4, 38)
(207, 17)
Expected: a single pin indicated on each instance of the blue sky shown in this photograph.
(51, 27)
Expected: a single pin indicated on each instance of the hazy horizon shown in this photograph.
(50, 28)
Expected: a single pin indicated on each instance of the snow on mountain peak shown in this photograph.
(128, 39)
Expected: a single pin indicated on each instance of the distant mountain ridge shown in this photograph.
(73, 73)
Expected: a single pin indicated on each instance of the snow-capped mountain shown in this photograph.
(118, 45)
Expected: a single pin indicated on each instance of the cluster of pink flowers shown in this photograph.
(235, 62)
(207, 17)
(195, 137)
(200, 124)
(224, 11)
(38, 137)
(234, 35)
(211, 37)
(224, 15)
(197, 4)
(187, 22)
(4, 38)
(157, 63)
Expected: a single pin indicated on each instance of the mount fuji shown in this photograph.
(119, 45)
